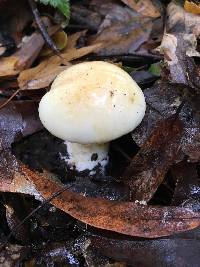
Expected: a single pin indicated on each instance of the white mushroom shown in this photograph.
(89, 105)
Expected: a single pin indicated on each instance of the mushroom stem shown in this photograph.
(92, 157)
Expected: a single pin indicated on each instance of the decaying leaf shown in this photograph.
(18, 119)
(187, 191)
(179, 41)
(122, 32)
(25, 56)
(123, 217)
(144, 7)
(148, 168)
(192, 7)
(42, 75)
(12, 255)
(147, 253)
(172, 96)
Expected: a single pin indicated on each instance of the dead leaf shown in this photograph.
(192, 7)
(172, 96)
(123, 217)
(148, 253)
(18, 119)
(12, 255)
(7, 66)
(187, 190)
(42, 75)
(72, 40)
(144, 7)
(122, 31)
(60, 40)
(25, 56)
(179, 41)
(148, 168)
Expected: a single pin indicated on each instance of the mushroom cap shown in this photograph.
(92, 102)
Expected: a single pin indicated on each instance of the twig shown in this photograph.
(9, 99)
(42, 28)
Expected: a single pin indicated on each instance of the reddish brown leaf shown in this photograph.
(148, 168)
(122, 217)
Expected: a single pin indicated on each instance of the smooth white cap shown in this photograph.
(92, 102)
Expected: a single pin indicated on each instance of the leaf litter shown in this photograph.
(161, 165)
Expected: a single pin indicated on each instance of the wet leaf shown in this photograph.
(18, 119)
(172, 96)
(147, 253)
(12, 255)
(148, 168)
(187, 191)
(122, 217)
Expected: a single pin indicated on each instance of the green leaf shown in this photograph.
(155, 69)
(62, 5)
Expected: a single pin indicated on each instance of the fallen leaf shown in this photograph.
(121, 32)
(148, 253)
(13, 255)
(40, 76)
(187, 190)
(179, 41)
(7, 68)
(123, 217)
(172, 96)
(60, 40)
(43, 74)
(18, 119)
(192, 7)
(144, 7)
(25, 56)
(148, 168)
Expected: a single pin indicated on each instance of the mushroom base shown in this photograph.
(87, 157)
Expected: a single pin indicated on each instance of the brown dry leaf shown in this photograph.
(179, 41)
(42, 75)
(73, 38)
(192, 7)
(25, 56)
(7, 66)
(121, 32)
(144, 7)
(148, 168)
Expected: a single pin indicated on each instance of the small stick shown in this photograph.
(42, 28)
(10, 98)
